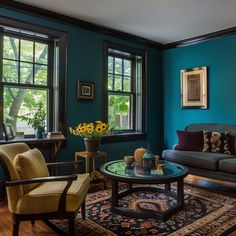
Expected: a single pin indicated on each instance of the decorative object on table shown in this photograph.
(7, 130)
(85, 90)
(20, 135)
(194, 88)
(92, 134)
(148, 159)
(158, 170)
(128, 160)
(55, 134)
(36, 120)
(160, 166)
(138, 154)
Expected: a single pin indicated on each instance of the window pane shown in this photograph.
(110, 64)
(127, 84)
(127, 67)
(10, 48)
(118, 66)
(21, 102)
(40, 77)
(41, 53)
(118, 83)
(10, 71)
(110, 82)
(119, 112)
(26, 73)
(26, 50)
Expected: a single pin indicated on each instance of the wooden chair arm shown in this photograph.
(42, 179)
(64, 163)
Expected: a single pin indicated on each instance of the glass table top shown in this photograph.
(163, 169)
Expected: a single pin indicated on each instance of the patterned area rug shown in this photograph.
(205, 213)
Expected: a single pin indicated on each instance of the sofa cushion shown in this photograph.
(215, 127)
(203, 160)
(31, 164)
(228, 165)
(189, 141)
(45, 198)
(217, 142)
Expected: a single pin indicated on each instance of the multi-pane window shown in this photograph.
(25, 79)
(120, 92)
(123, 91)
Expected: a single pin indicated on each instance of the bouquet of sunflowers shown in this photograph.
(91, 130)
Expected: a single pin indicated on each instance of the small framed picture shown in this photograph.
(194, 88)
(7, 130)
(85, 90)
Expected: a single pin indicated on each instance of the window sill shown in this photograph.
(124, 137)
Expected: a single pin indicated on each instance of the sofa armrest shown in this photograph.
(174, 146)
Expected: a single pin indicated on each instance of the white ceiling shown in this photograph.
(163, 21)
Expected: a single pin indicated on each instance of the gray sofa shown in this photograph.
(211, 165)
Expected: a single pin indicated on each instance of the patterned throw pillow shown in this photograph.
(189, 141)
(217, 142)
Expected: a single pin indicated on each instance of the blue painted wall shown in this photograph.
(85, 62)
(220, 57)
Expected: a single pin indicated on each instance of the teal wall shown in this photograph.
(220, 57)
(85, 62)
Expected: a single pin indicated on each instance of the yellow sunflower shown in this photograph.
(82, 129)
(90, 126)
(99, 128)
(71, 130)
(89, 131)
(103, 126)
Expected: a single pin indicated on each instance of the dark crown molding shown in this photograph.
(202, 38)
(36, 11)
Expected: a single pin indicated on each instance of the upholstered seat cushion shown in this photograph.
(30, 164)
(203, 160)
(228, 165)
(45, 197)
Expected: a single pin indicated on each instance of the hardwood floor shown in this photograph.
(40, 229)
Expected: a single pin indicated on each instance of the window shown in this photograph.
(124, 89)
(25, 79)
(32, 71)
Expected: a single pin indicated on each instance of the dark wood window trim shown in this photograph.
(59, 38)
(124, 136)
(47, 87)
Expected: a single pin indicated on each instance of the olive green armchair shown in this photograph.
(34, 195)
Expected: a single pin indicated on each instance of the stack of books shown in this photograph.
(55, 134)
(157, 172)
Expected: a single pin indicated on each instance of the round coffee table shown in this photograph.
(118, 171)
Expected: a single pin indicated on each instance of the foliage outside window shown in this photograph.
(25, 79)
(124, 90)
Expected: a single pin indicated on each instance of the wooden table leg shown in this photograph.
(180, 192)
(87, 161)
(105, 178)
(114, 196)
(167, 186)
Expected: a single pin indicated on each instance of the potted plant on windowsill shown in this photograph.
(36, 120)
(92, 134)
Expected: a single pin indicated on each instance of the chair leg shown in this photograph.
(16, 225)
(32, 222)
(71, 223)
(83, 210)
